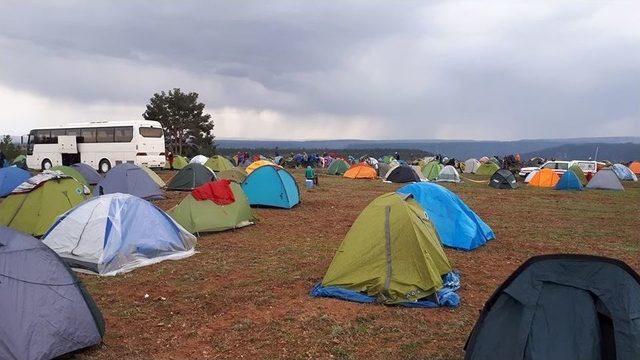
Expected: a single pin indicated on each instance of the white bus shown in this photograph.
(101, 145)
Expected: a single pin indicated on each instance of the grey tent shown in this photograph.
(503, 179)
(402, 174)
(561, 307)
(45, 311)
(129, 179)
(605, 179)
(89, 173)
(471, 165)
(448, 174)
(190, 177)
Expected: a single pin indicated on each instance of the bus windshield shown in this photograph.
(150, 132)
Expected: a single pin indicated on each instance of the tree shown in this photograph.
(187, 128)
(8, 148)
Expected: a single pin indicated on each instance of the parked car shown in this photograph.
(559, 166)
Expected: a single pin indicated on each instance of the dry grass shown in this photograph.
(245, 295)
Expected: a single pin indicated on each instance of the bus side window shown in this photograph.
(124, 134)
(88, 135)
(76, 133)
(55, 134)
(43, 136)
(104, 135)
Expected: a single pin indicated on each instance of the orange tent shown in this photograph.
(635, 167)
(361, 171)
(545, 178)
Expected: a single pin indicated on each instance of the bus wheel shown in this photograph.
(104, 166)
(46, 164)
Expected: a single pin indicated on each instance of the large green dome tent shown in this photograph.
(391, 255)
(338, 167)
(487, 169)
(69, 171)
(219, 163)
(431, 170)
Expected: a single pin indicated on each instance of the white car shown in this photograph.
(560, 167)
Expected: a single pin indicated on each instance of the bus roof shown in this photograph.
(90, 124)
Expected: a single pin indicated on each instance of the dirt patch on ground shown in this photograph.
(245, 294)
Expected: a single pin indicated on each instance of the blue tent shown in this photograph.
(271, 186)
(129, 179)
(569, 181)
(116, 233)
(89, 173)
(624, 173)
(457, 225)
(10, 178)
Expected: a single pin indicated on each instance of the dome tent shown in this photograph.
(45, 310)
(257, 164)
(544, 178)
(361, 171)
(448, 174)
(235, 174)
(152, 174)
(178, 163)
(337, 167)
(605, 179)
(10, 178)
(129, 179)
(36, 203)
(199, 159)
(561, 307)
(431, 170)
(624, 173)
(503, 179)
(471, 166)
(89, 173)
(190, 177)
(569, 181)
(219, 163)
(487, 169)
(202, 214)
(402, 174)
(391, 255)
(457, 225)
(579, 173)
(71, 172)
(635, 167)
(20, 161)
(272, 186)
(117, 233)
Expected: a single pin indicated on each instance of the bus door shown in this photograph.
(68, 148)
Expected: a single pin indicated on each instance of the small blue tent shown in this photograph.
(10, 178)
(129, 179)
(271, 186)
(569, 181)
(89, 173)
(457, 225)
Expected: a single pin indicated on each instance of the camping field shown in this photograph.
(245, 293)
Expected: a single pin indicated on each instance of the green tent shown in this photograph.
(338, 167)
(392, 252)
(218, 163)
(69, 171)
(190, 177)
(20, 161)
(152, 174)
(579, 173)
(234, 174)
(35, 211)
(387, 159)
(487, 169)
(178, 163)
(431, 170)
(204, 215)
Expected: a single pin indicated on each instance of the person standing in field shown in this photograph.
(310, 174)
(170, 159)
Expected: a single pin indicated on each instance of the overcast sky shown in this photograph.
(330, 69)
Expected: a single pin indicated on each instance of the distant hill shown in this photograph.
(461, 149)
(612, 152)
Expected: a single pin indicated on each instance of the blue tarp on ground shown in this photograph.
(457, 225)
(10, 178)
(569, 181)
(271, 186)
(447, 296)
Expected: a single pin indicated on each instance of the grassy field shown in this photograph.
(245, 294)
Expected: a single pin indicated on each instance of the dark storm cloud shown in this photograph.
(414, 69)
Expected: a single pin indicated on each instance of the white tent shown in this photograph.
(116, 233)
(605, 179)
(471, 166)
(448, 174)
(200, 159)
